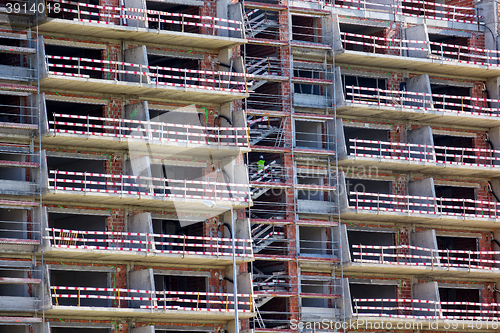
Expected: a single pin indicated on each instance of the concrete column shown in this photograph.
(426, 291)
(141, 4)
(139, 56)
(144, 280)
(337, 38)
(342, 200)
(493, 87)
(235, 12)
(419, 84)
(418, 32)
(426, 239)
(494, 136)
(424, 188)
(422, 136)
(341, 142)
(339, 89)
(140, 223)
(40, 57)
(488, 9)
(37, 101)
(343, 241)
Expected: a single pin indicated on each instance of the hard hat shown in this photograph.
(261, 156)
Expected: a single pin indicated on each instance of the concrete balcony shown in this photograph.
(425, 314)
(112, 190)
(95, 302)
(424, 210)
(144, 25)
(148, 247)
(182, 85)
(419, 105)
(21, 285)
(471, 162)
(16, 163)
(15, 67)
(414, 260)
(417, 12)
(418, 54)
(18, 234)
(165, 139)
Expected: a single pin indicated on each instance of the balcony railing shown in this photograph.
(157, 76)
(154, 300)
(146, 242)
(149, 187)
(440, 155)
(422, 101)
(409, 255)
(446, 53)
(112, 15)
(415, 8)
(425, 309)
(150, 131)
(440, 207)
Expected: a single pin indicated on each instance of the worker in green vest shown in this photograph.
(261, 163)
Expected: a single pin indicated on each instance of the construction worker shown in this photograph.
(261, 163)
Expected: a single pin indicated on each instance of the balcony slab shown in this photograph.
(141, 35)
(138, 90)
(432, 116)
(423, 65)
(405, 269)
(117, 200)
(143, 256)
(154, 146)
(433, 220)
(157, 314)
(430, 167)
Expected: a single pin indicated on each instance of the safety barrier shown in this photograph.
(150, 130)
(453, 104)
(409, 255)
(437, 310)
(425, 153)
(380, 202)
(154, 75)
(417, 8)
(111, 15)
(88, 182)
(165, 300)
(444, 52)
(147, 242)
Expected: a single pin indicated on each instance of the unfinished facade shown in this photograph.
(327, 161)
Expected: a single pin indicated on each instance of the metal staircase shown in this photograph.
(264, 235)
(256, 21)
(266, 285)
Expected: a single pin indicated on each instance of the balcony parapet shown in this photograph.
(153, 82)
(417, 55)
(409, 259)
(444, 313)
(148, 303)
(90, 131)
(394, 208)
(143, 25)
(151, 191)
(412, 12)
(151, 247)
(421, 106)
(424, 158)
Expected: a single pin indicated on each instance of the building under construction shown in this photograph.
(257, 166)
